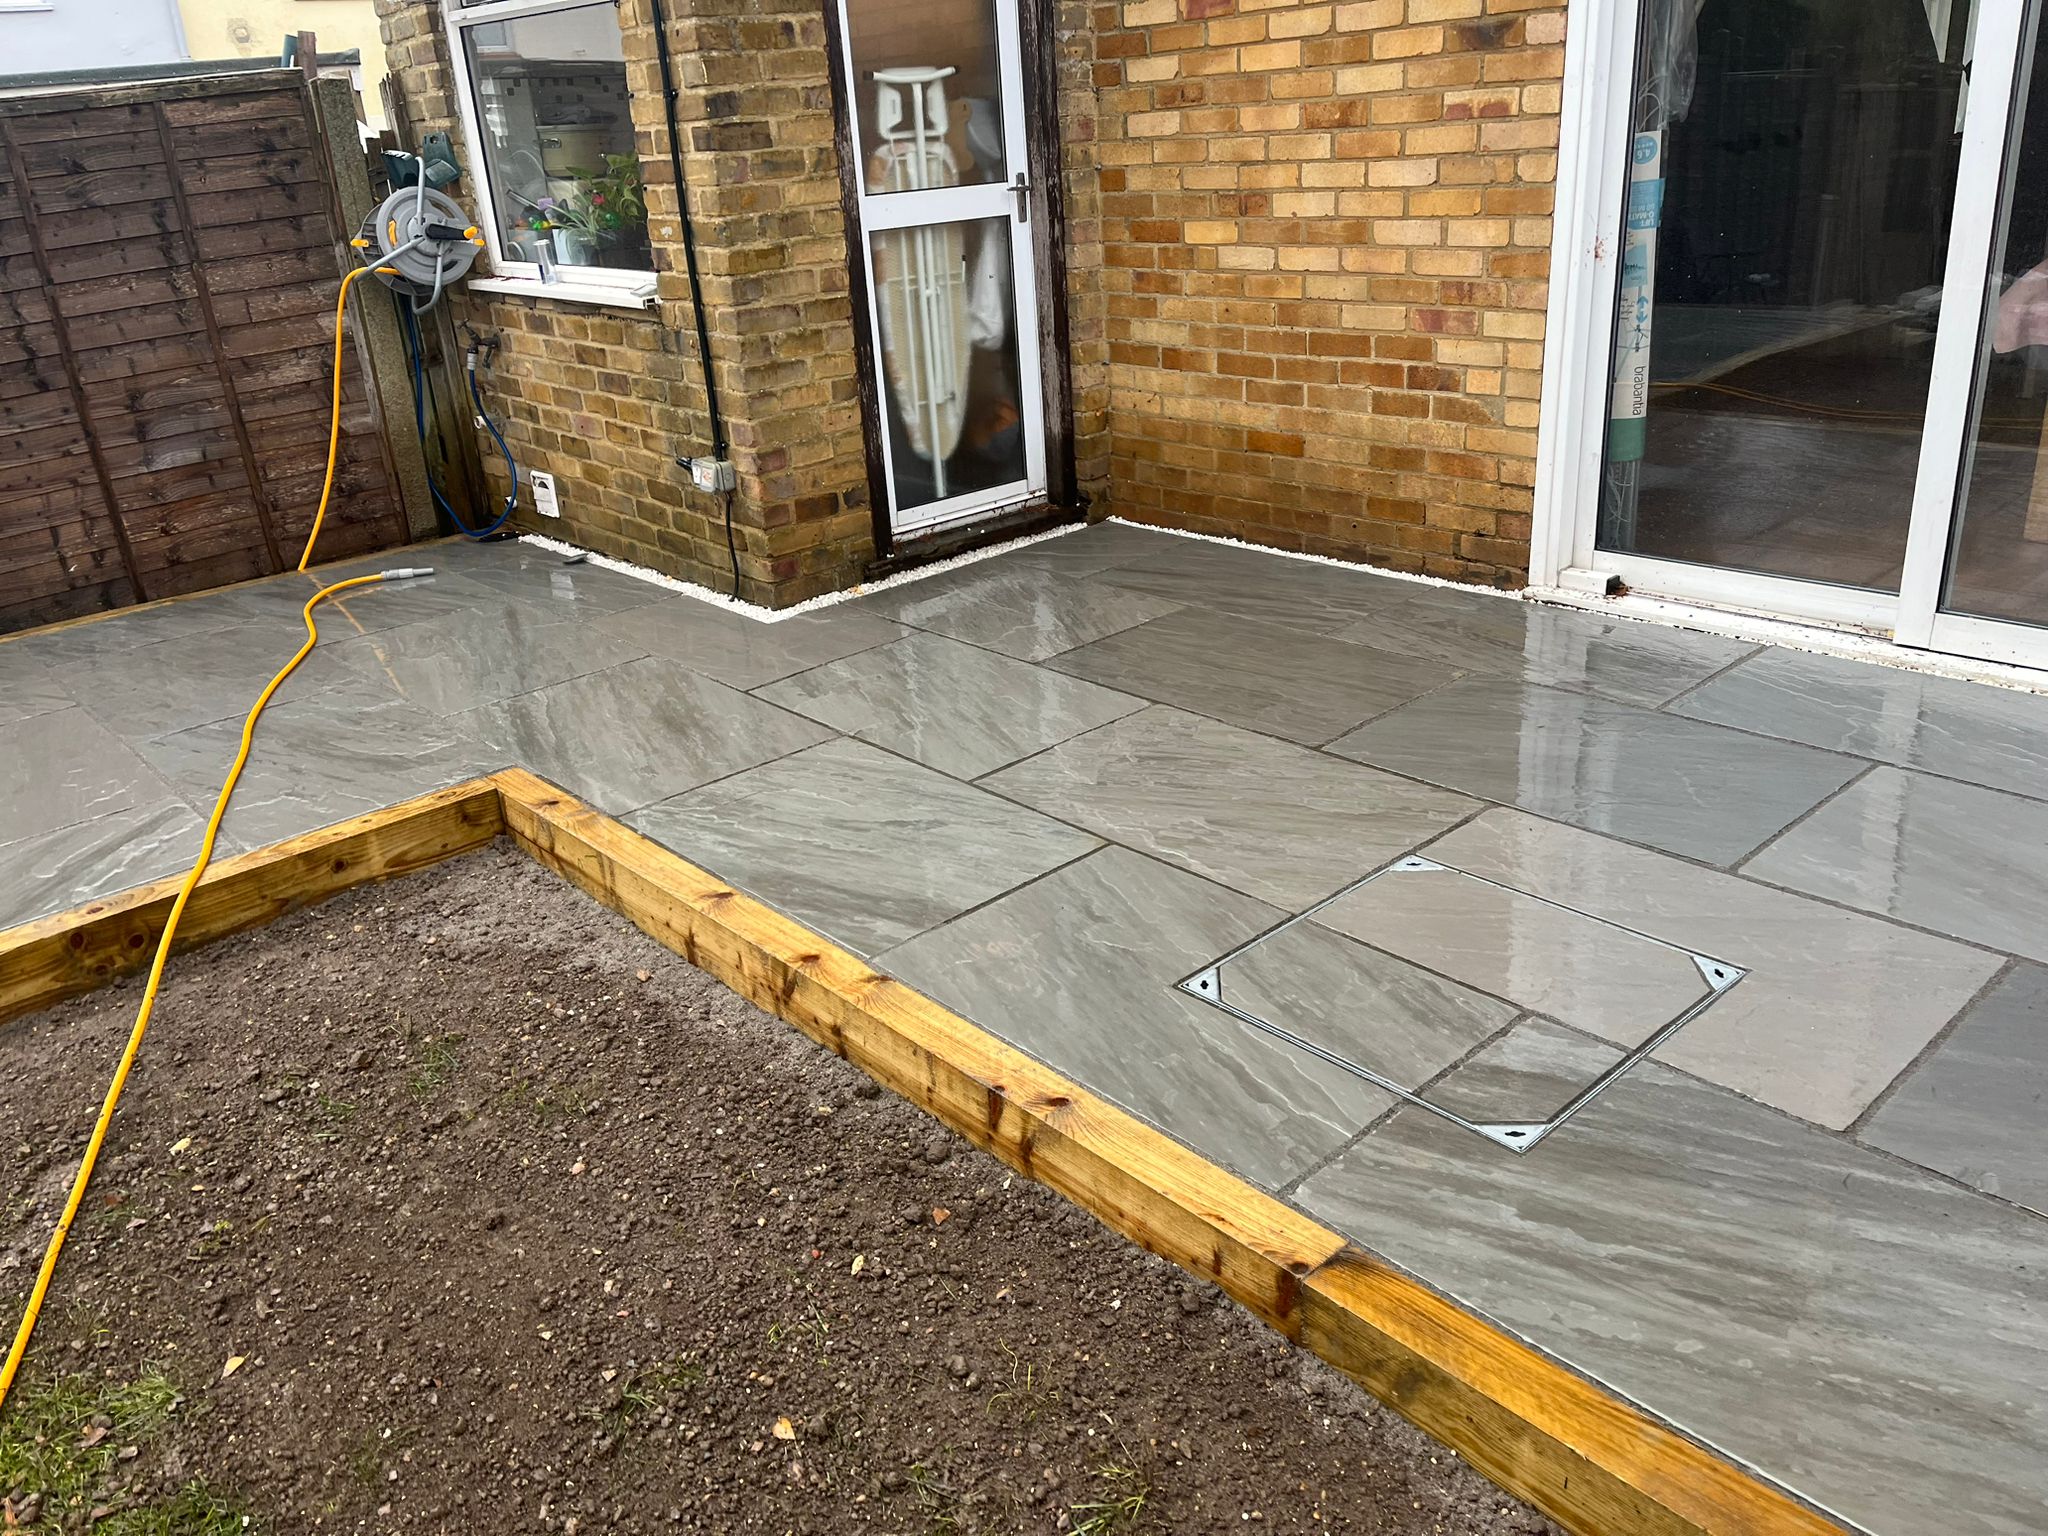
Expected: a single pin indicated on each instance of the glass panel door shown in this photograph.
(1795, 165)
(1978, 579)
(936, 90)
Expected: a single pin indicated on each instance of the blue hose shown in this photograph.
(416, 352)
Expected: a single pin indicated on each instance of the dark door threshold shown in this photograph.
(1016, 523)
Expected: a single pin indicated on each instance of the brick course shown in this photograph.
(605, 398)
(1323, 244)
(1307, 249)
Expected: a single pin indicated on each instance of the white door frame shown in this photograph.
(2005, 45)
(1596, 133)
(1008, 199)
(1585, 272)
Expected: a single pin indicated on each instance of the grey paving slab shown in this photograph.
(742, 652)
(1629, 661)
(866, 848)
(1091, 549)
(531, 574)
(1024, 610)
(637, 732)
(951, 706)
(1991, 736)
(388, 605)
(315, 762)
(1835, 1006)
(1952, 857)
(1605, 979)
(64, 768)
(1078, 969)
(1701, 790)
(152, 690)
(29, 687)
(456, 663)
(1253, 584)
(1281, 681)
(281, 599)
(1976, 1107)
(1862, 1331)
(122, 630)
(65, 867)
(1469, 629)
(1273, 820)
(1365, 1005)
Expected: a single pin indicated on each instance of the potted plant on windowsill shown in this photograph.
(566, 224)
(617, 204)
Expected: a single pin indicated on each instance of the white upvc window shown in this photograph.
(553, 170)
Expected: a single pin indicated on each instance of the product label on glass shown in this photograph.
(1631, 402)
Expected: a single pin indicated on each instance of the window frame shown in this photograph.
(627, 286)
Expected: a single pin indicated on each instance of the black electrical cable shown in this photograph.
(720, 449)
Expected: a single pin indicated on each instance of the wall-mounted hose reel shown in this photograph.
(417, 242)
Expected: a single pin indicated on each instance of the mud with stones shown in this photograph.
(521, 1223)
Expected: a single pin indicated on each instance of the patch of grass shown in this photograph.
(1124, 1493)
(194, 1510)
(816, 1329)
(936, 1497)
(649, 1390)
(214, 1241)
(433, 1066)
(60, 1439)
(367, 1456)
(332, 1114)
(1027, 1398)
(110, 1214)
(547, 1104)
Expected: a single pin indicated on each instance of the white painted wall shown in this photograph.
(40, 35)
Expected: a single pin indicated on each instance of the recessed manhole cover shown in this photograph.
(1400, 976)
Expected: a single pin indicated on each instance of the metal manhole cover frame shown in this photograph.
(1518, 1136)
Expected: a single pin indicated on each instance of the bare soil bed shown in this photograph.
(516, 1222)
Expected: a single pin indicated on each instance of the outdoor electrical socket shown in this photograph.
(712, 474)
(543, 485)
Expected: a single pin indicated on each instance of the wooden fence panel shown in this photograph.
(169, 255)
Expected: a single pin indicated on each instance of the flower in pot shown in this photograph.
(567, 222)
(618, 204)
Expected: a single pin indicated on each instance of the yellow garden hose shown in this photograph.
(333, 447)
(192, 876)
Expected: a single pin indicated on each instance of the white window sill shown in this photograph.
(569, 291)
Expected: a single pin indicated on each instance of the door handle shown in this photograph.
(1021, 187)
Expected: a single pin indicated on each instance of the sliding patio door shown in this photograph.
(1976, 580)
(1793, 169)
(1826, 391)
(937, 130)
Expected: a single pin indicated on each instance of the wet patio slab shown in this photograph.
(951, 706)
(1936, 853)
(1869, 1333)
(1703, 791)
(1046, 787)
(866, 848)
(1974, 1108)
(1299, 687)
(1940, 725)
(1262, 816)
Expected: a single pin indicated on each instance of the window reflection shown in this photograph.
(1794, 167)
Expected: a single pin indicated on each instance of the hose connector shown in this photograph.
(401, 572)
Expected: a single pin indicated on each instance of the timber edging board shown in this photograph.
(53, 958)
(1596, 1464)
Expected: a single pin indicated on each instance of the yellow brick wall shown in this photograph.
(1307, 249)
(1323, 243)
(606, 398)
